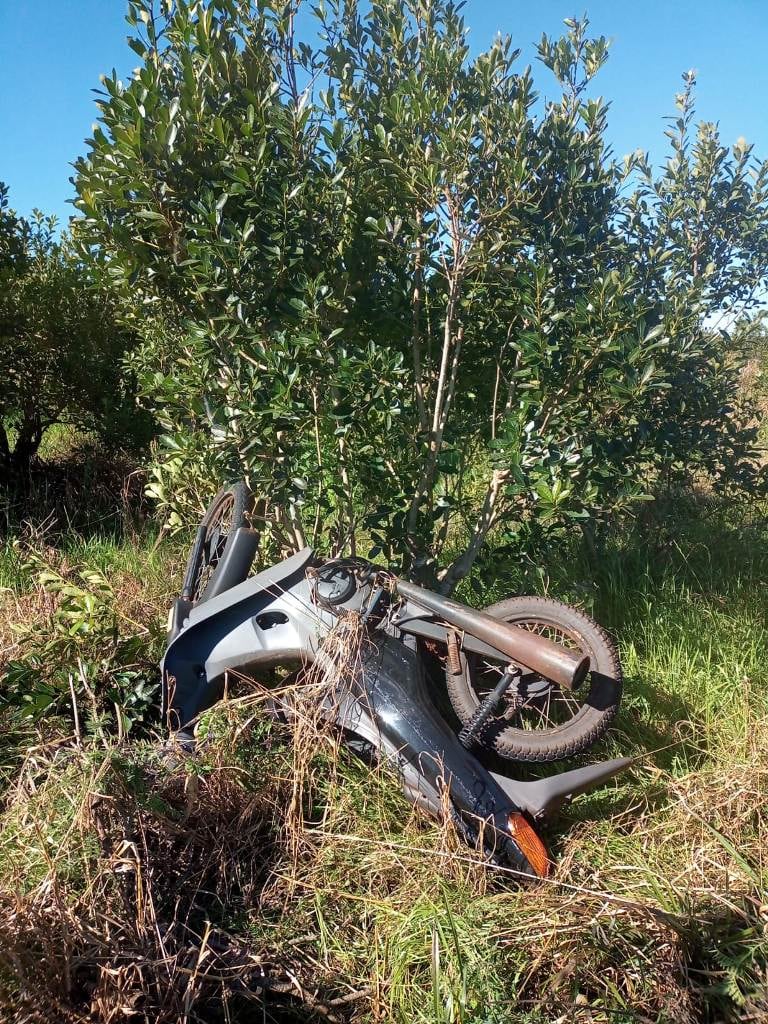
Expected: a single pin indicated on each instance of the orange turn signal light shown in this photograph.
(526, 838)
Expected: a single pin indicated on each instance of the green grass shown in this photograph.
(688, 603)
(109, 552)
(656, 911)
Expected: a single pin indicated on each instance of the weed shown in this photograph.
(82, 634)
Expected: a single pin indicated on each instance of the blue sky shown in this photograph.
(52, 52)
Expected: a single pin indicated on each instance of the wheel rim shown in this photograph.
(216, 535)
(536, 705)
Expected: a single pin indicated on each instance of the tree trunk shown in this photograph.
(6, 459)
(5, 448)
(15, 462)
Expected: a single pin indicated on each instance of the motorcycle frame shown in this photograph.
(272, 619)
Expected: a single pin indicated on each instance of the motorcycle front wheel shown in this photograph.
(228, 511)
(538, 720)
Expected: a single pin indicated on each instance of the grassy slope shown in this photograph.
(116, 875)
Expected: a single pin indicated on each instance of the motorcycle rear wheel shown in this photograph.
(542, 722)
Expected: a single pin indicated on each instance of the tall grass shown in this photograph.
(188, 894)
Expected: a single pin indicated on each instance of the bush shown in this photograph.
(82, 657)
(405, 308)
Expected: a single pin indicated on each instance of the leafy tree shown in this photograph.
(407, 303)
(699, 232)
(60, 345)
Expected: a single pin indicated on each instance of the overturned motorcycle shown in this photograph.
(530, 679)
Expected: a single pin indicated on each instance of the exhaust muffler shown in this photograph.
(560, 665)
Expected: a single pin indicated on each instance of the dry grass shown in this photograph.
(131, 891)
(134, 889)
(115, 919)
(277, 877)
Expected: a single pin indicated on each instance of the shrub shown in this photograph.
(400, 303)
(83, 656)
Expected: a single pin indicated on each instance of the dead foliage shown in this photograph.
(273, 873)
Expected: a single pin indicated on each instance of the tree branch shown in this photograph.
(462, 566)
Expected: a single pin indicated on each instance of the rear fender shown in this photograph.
(542, 797)
(387, 702)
